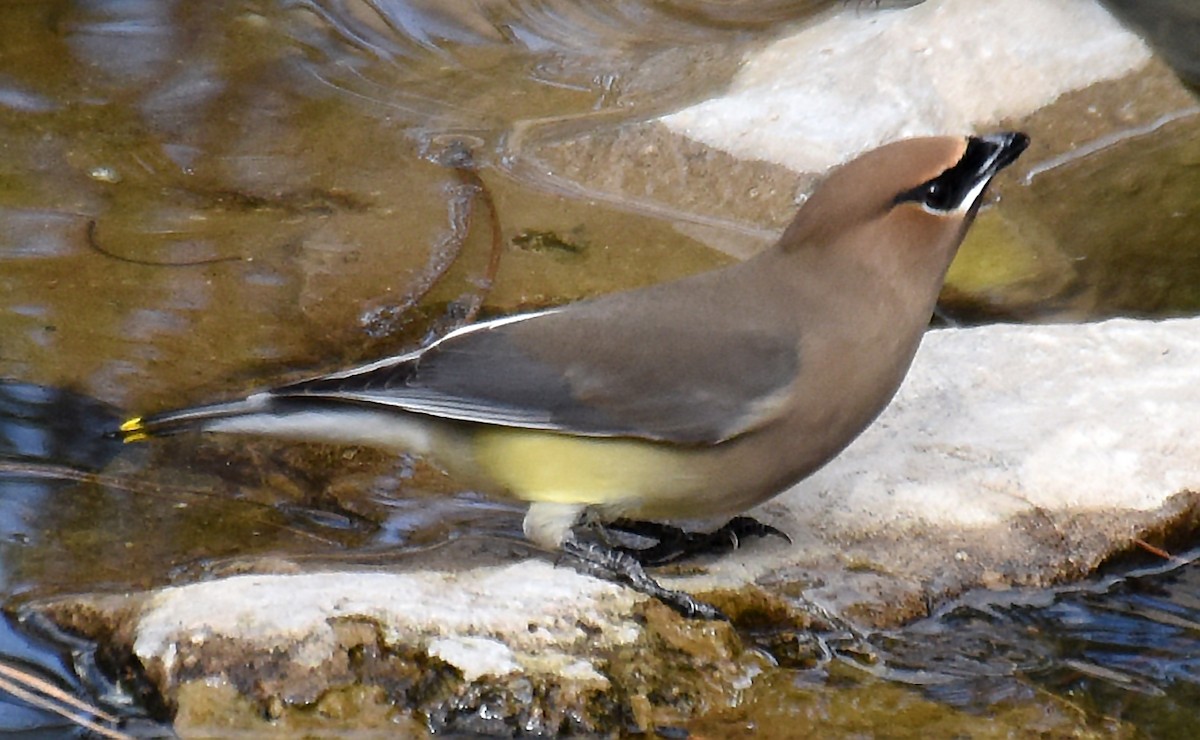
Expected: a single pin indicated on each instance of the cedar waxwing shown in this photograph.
(692, 399)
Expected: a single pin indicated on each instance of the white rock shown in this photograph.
(860, 78)
(483, 621)
(475, 656)
(999, 419)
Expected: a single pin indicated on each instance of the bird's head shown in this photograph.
(908, 200)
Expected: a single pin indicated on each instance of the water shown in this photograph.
(1123, 647)
(200, 198)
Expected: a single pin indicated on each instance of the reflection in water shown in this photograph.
(1172, 26)
(259, 177)
(53, 662)
(54, 687)
(143, 30)
(411, 28)
(484, 67)
(516, 76)
(50, 439)
(1126, 648)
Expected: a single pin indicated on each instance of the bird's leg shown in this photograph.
(614, 564)
(650, 530)
(675, 543)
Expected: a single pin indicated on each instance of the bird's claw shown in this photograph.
(674, 543)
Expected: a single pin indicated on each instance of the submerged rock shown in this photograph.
(1097, 219)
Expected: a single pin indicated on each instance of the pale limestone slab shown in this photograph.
(857, 79)
(1001, 418)
(487, 621)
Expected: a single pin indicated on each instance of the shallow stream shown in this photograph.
(201, 198)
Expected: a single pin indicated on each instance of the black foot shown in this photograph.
(675, 543)
(616, 565)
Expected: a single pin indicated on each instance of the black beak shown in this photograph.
(997, 151)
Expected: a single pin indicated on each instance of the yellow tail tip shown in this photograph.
(133, 430)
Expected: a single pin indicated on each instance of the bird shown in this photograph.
(692, 399)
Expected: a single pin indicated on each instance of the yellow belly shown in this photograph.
(545, 466)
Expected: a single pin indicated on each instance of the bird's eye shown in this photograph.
(936, 195)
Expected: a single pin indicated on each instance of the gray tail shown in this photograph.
(183, 420)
